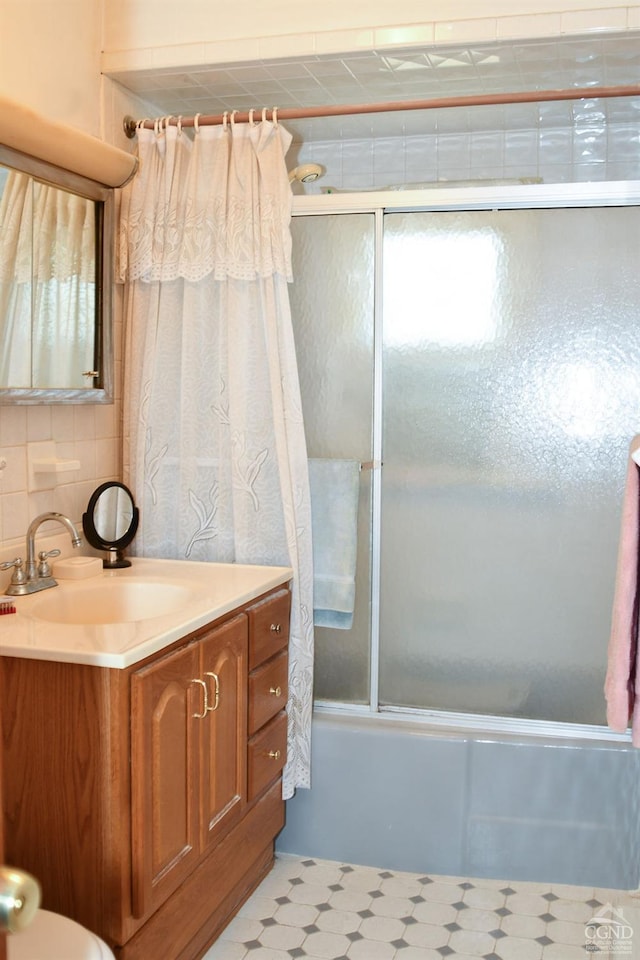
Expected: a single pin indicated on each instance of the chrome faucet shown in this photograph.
(37, 575)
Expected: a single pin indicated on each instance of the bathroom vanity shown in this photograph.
(143, 759)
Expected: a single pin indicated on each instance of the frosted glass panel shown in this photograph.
(332, 311)
(511, 391)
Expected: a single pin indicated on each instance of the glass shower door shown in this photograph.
(510, 393)
(332, 307)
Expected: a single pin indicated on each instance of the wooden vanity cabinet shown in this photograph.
(147, 800)
(188, 736)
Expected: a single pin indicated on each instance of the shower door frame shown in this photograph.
(617, 193)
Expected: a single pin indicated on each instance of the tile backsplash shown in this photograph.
(88, 433)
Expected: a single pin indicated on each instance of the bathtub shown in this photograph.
(403, 794)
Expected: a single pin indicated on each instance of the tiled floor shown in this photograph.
(335, 911)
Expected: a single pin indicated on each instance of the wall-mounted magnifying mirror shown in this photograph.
(110, 522)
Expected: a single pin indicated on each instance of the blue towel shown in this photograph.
(335, 487)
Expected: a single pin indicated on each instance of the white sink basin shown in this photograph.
(119, 617)
(112, 601)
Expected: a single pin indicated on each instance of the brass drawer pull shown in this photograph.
(275, 628)
(205, 706)
(216, 695)
(274, 754)
(276, 691)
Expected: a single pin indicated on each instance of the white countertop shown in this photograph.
(211, 589)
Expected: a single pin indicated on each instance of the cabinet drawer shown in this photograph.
(267, 755)
(268, 627)
(267, 691)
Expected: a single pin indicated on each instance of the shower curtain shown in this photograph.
(214, 446)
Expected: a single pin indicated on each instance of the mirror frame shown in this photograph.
(102, 391)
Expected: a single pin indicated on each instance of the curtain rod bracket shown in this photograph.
(129, 125)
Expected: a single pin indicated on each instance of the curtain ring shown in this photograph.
(264, 114)
(156, 127)
(167, 120)
(274, 116)
(233, 118)
(140, 124)
(251, 120)
(179, 125)
(196, 124)
(225, 121)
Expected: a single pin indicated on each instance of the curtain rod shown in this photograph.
(480, 100)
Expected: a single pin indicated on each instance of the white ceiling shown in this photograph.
(411, 74)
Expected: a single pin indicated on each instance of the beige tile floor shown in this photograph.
(337, 911)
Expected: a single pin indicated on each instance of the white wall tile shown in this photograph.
(589, 172)
(487, 149)
(343, 41)
(65, 500)
(520, 146)
(454, 151)
(624, 170)
(291, 45)
(105, 421)
(404, 35)
(106, 458)
(14, 476)
(623, 144)
(466, 31)
(589, 144)
(589, 21)
(555, 146)
(39, 423)
(15, 515)
(84, 425)
(62, 423)
(13, 425)
(421, 159)
(536, 25)
(85, 452)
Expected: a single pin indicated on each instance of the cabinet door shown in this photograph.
(223, 765)
(167, 714)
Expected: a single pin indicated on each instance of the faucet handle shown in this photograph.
(44, 570)
(18, 576)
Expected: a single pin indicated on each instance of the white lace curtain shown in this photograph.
(214, 446)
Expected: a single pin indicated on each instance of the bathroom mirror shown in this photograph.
(55, 284)
(111, 521)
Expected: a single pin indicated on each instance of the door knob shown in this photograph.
(19, 899)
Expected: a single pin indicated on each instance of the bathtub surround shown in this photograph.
(213, 433)
(407, 796)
